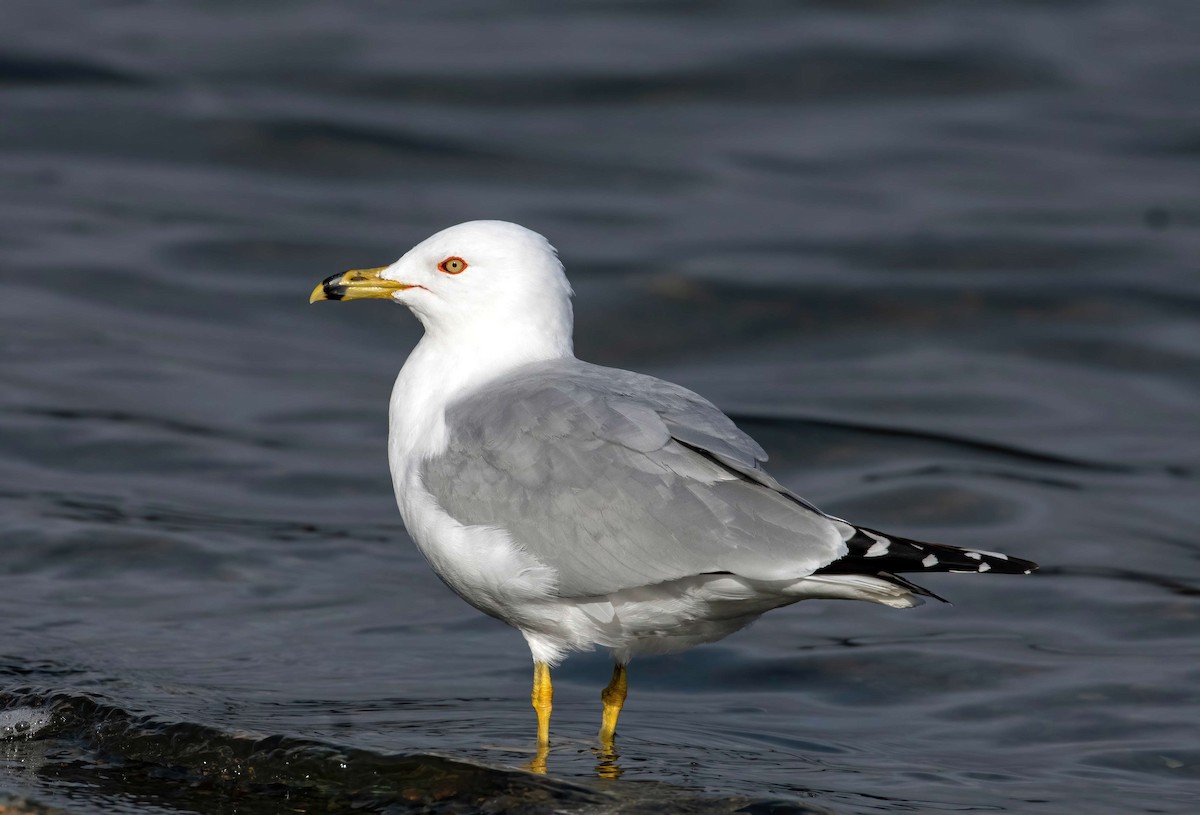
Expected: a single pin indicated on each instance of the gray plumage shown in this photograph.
(619, 480)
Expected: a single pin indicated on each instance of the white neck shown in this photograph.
(450, 363)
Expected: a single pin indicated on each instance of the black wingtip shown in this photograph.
(920, 591)
(872, 552)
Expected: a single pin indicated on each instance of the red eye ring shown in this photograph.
(452, 265)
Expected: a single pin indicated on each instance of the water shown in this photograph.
(939, 258)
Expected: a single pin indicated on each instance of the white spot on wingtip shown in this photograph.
(973, 555)
(929, 561)
(983, 567)
(878, 549)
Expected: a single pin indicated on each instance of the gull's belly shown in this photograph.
(490, 571)
(484, 567)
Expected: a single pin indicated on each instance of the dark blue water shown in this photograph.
(939, 258)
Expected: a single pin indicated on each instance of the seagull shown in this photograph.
(588, 506)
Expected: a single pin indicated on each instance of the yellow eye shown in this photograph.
(452, 265)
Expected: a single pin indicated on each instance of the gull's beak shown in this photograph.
(356, 284)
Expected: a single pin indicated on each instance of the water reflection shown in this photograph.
(607, 765)
(607, 758)
(538, 763)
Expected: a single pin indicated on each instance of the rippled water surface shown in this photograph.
(939, 258)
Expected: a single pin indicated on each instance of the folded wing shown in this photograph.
(618, 480)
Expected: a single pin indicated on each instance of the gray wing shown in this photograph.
(618, 480)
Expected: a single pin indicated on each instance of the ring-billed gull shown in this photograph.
(591, 506)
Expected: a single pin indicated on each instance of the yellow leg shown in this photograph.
(543, 695)
(613, 697)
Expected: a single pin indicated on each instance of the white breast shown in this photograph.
(481, 564)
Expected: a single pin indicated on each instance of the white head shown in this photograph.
(480, 283)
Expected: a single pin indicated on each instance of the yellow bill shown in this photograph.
(356, 284)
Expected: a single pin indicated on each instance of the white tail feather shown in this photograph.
(853, 587)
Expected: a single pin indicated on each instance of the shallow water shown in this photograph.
(939, 258)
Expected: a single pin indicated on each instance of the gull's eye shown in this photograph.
(452, 265)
